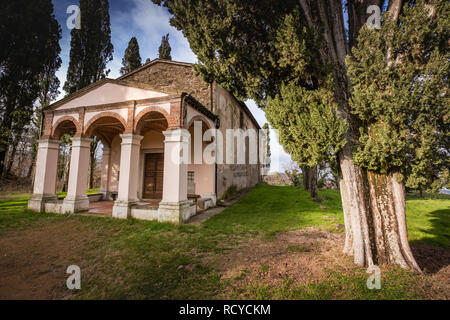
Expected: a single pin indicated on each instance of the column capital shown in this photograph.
(131, 139)
(81, 142)
(48, 144)
(177, 135)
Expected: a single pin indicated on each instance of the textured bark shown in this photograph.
(387, 198)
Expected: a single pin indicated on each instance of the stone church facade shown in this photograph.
(142, 119)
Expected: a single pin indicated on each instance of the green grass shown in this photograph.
(268, 210)
(149, 260)
(428, 219)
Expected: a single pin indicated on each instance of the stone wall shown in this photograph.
(239, 175)
(174, 76)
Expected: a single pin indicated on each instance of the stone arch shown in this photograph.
(89, 128)
(56, 134)
(147, 111)
(198, 118)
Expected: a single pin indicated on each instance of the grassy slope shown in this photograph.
(142, 259)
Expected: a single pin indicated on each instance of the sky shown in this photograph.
(148, 23)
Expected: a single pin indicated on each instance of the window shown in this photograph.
(191, 176)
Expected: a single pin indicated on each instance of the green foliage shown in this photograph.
(264, 50)
(308, 125)
(29, 57)
(165, 49)
(90, 48)
(132, 58)
(403, 100)
(234, 41)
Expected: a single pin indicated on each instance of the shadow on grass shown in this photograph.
(432, 253)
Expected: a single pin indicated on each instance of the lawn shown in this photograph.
(240, 253)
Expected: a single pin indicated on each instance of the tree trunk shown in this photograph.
(10, 160)
(387, 198)
(313, 190)
(93, 162)
(305, 171)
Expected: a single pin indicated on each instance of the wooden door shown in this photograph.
(153, 176)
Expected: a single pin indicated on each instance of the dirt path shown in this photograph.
(33, 262)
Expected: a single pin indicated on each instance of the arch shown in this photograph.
(147, 111)
(88, 131)
(56, 135)
(198, 118)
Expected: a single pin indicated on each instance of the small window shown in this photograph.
(191, 176)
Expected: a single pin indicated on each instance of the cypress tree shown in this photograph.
(132, 58)
(165, 49)
(90, 48)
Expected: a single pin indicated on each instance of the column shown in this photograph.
(129, 175)
(45, 177)
(175, 206)
(106, 163)
(77, 200)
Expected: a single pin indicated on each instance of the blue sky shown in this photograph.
(148, 23)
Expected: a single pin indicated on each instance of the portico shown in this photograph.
(145, 136)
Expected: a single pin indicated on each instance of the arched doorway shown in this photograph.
(150, 125)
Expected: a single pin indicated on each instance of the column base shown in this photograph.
(37, 202)
(76, 205)
(176, 212)
(122, 209)
(107, 195)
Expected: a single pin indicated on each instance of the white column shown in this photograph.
(77, 200)
(106, 164)
(129, 175)
(45, 177)
(175, 205)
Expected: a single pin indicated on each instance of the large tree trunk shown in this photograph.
(387, 198)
